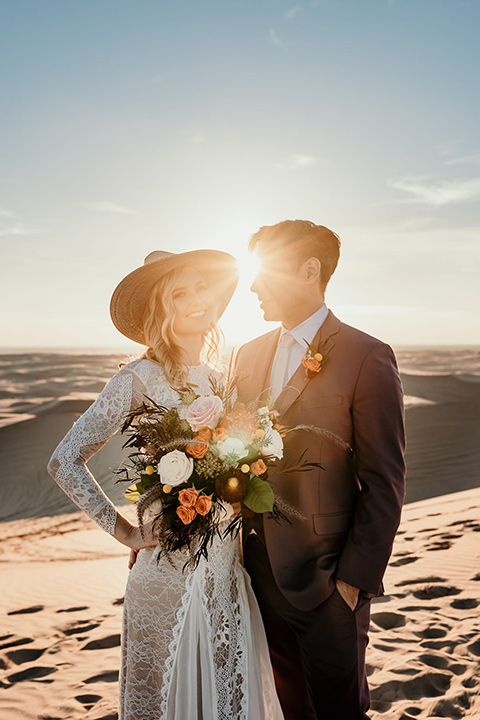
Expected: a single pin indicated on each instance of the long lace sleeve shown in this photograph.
(67, 465)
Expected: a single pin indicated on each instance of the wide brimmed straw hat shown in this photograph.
(130, 297)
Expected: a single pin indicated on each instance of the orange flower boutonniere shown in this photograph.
(313, 361)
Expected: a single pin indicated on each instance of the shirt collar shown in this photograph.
(307, 329)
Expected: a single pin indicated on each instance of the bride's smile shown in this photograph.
(193, 303)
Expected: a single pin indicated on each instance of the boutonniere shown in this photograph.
(313, 360)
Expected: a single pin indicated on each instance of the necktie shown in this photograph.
(280, 371)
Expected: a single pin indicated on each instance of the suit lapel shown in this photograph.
(324, 340)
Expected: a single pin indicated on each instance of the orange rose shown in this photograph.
(203, 505)
(188, 497)
(204, 434)
(219, 434)
(258, 467)
(186, 514)
(197, 449)
(311, 364)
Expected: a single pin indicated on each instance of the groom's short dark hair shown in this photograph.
(302, 239)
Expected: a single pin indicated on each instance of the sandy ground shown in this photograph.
(62, 579)
(63, 582)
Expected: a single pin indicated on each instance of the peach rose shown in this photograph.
(188, 497)
(219, 434)
(203, 505)
(258, 467)
(197, 449)
(311, 364)
(204, 434)
(204, 412)
(186, 514)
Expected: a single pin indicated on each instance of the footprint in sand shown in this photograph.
(106, 642)
(15, 643)
(111, 676)
(431, 633)
(436, 661)
(435, 591)
(418, 581)
(444, 545)
(464, 604)
(88, 700)
(404, 561)
(388, 620)
(418, 608)
(452, 708)
(448, 645)
(413, 711)
(423, 685)
(474, 648)
(24, 655)
(119, 601)
(404, 671)
(32, 673)
(73, 609)
(25, 611)
(80, 626)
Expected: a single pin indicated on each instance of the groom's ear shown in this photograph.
(310, 271)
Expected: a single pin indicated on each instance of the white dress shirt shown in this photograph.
(303, 335)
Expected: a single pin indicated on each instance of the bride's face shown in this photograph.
(193, 302)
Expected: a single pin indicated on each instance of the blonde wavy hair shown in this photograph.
(163, 347)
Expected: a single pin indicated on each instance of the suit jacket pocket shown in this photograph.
(332, 523)
(321, 401)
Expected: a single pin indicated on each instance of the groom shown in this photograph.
(314, 578)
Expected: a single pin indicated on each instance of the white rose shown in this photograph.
(233, 447)
(175, 468)
(273, 444)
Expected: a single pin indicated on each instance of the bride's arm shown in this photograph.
(68, 467)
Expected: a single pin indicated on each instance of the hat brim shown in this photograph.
(130, 297)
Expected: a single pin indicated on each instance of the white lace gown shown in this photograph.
(193, 642)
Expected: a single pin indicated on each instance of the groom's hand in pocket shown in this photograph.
(348, 592)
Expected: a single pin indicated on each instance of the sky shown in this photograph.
(173, 125)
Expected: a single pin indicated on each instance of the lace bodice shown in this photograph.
(123, 393)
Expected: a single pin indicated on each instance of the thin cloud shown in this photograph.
(7, 213)
(304, 160)
(276, 40)
(448, 192)
(465, 160)
(293, 12)
(111, 207)
(15, 230)
(298, 161)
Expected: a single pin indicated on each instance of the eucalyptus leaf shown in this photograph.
(259, 497)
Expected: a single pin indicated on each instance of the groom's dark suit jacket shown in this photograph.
(352, 506)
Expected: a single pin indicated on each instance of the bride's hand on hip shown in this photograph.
(130, 535)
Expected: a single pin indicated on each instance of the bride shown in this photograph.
(193, 643)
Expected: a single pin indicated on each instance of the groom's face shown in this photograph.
(278, 285)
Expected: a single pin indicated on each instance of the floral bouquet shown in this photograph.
(192, 465)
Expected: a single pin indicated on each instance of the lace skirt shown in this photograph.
(193, 644)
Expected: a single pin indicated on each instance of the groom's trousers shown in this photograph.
(318, 656)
